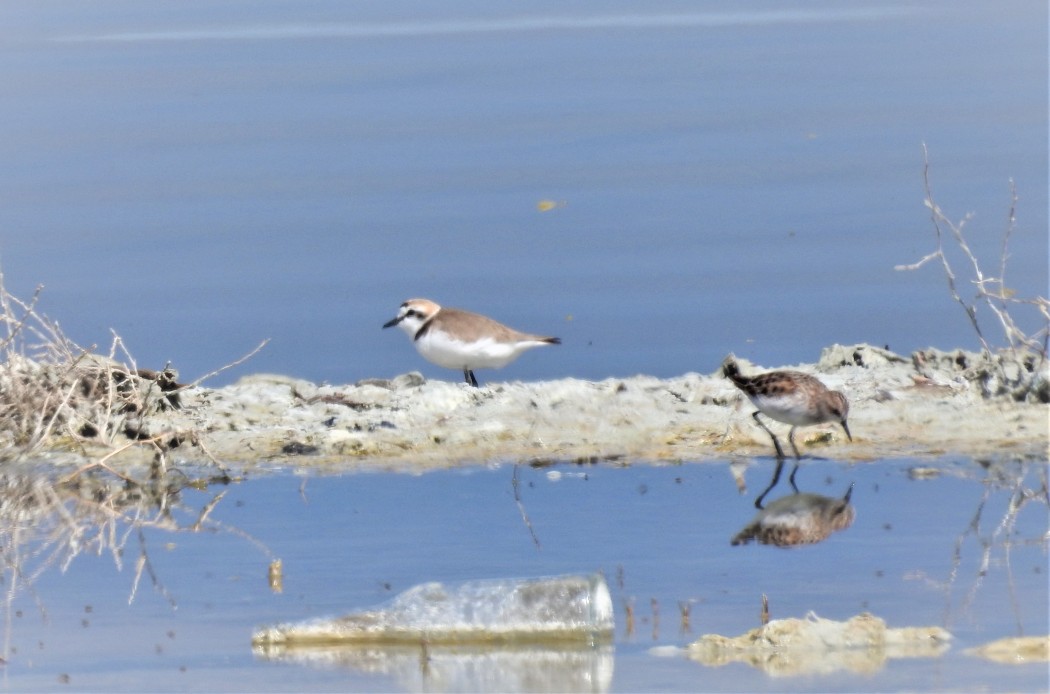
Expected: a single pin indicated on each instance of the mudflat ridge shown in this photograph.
(930, 403)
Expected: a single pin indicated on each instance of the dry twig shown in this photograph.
(991, 292)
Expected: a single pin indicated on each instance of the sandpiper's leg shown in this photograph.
(791, 439)
(773, 483)
(791, 477)
(776, 442)
(469, 376)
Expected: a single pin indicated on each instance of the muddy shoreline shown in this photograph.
(929, 404)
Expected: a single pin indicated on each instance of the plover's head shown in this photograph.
(413, 314)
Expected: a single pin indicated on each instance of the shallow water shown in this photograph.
(659, 534)
(200, 176)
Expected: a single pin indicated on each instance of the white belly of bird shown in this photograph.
(438, 348)
(795, 409)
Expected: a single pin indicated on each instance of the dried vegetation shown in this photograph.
(1019, 368)
(52, 391)
(56, 395)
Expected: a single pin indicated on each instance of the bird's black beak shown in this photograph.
(846, 429)
(849, 493)
(393, 321)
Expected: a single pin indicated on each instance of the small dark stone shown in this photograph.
(298, 448)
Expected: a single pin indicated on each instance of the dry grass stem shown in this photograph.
(232, 364)
(515, 483)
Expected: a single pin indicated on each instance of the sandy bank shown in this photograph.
(931, 403)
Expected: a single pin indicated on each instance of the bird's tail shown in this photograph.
(731, 371)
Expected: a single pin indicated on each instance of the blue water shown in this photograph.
(199, 176)
(657, 533)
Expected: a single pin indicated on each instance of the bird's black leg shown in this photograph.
(469, 376)
(791, 440)
(773, 483)
(791, 477)
(776, 442)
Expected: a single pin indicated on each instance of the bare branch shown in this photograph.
(991, 292)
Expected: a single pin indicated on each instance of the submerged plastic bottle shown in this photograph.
(560, 609)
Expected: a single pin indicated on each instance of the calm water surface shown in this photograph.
(660, 535)
(199, 176)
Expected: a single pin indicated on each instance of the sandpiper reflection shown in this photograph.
(800, 518)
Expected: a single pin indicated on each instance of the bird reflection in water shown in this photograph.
(799, 518)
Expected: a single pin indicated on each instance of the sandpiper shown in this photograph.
(799, 519)
(458, 339)
(791, 397)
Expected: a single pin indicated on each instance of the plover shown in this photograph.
(791, 397)
(458, 339)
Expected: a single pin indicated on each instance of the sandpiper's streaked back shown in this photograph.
(458, 339)
(791, 397)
